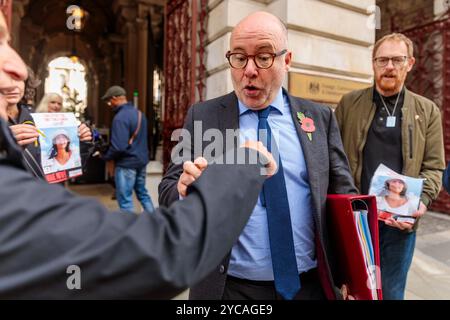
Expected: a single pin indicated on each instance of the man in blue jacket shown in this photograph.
(128, 150)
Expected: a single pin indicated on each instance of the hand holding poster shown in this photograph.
(60, 145)
(398, 196)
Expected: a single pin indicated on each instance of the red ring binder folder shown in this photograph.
(352, 268)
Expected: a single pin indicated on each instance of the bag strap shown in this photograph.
(137, 128)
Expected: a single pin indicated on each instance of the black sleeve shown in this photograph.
(45, 229)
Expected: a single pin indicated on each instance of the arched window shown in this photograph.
(67, 77)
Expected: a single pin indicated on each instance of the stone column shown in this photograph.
(142, 55)
(126, 13)
(130, 51)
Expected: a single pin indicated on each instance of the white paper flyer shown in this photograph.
(60, 145)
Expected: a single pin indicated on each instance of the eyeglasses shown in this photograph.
(396, 61)
(263, 60)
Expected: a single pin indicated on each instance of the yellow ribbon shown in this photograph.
(39, 131)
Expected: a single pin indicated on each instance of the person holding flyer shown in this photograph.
(388, 124)
(25, 131)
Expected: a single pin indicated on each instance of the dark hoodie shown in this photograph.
(32, 152)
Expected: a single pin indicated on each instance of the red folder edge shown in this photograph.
(351, 266)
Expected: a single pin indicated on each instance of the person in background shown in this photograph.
(51, 102)
(128, 150)
(386, 123)
(22, 125)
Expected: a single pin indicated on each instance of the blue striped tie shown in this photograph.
(274, 198)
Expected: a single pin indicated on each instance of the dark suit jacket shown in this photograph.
(45, 229)
(327, 168)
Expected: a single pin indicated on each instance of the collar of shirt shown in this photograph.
(116, 109)
(278, 104)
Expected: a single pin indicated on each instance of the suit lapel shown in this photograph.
(228, 116)
(311, 159)
(307, 145)
(229, 113)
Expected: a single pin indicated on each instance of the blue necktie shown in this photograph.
(274, 198)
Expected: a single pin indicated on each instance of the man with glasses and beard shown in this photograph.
(389, 124)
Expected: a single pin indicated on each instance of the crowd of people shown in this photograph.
(224, 230)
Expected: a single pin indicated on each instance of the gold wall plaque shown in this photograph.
(321, 89)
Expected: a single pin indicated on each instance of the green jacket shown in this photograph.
(422, 138)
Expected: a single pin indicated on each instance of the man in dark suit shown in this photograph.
(55, 245)
(283, 251)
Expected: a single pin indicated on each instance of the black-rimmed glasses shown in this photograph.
(396, 61)
(263, 60)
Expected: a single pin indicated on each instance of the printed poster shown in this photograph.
(60, 145)
(398, 196)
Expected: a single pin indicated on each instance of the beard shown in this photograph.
(390, 83)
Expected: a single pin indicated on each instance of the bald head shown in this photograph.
(262, 21)
(260, 41)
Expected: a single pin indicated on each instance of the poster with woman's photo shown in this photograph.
(398, 196)
(60, 145)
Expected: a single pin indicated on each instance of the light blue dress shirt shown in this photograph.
(250, 256)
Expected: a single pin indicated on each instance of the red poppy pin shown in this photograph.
(307, 124)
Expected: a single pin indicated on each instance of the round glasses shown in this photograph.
(396, 61)
(263, 60)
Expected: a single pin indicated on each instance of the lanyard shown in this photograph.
(385, 106)
(391, 119)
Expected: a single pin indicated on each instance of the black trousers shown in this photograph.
(242, 289)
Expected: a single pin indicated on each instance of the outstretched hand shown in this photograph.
(271, 165)
(191, 172)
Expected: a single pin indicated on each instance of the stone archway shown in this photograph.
(67, 77)
(121, 43)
